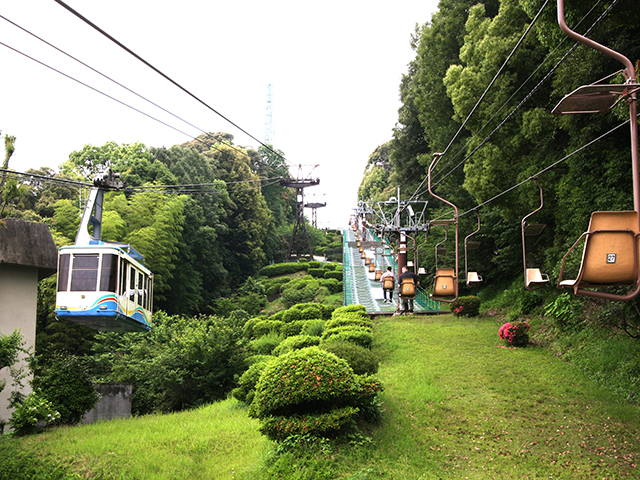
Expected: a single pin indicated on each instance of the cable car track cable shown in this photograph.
(131, 52)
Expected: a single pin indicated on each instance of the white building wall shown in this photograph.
(18, 305)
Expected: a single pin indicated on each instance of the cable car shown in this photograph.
(103, 285)
(533, 278)
(472, 278)
(445, 281)
(610, 253)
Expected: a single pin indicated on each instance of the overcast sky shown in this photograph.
(335, 68)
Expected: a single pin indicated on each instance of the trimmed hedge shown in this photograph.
(303, 378)
(358, 335)
(333, 274)
(361, 359)
(247, 383)
(316, 272)
(307, 311)
(283, 269)
(348, 322)
(296, 342)
(349, 308)
(266, 326)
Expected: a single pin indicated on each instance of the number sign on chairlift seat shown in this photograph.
(444, 283)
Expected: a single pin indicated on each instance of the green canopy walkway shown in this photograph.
(360, 286)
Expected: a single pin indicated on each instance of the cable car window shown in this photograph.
(132, 284)
(63, 272)
(123, 277)
(84, 273)
(140, 288)
(109, 273)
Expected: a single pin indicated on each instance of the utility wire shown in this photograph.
(504, 64)
(131, 52)
(208, 134)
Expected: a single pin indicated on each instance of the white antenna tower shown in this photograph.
(269, 134)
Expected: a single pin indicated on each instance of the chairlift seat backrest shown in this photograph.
(444, 282)
(534, 276)
(610, 255)
(388, 283)
(378, 274)
(372, 267)
(408, 288)
(473, 278)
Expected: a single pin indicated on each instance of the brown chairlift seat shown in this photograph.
(610, 254)
(444, 282)
(372, 267)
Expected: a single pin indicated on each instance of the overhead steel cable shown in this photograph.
(95, 89)
(45, 178)
(482, 97)
(208, 134)
(541, 172)
(166, 77)
(529, 95)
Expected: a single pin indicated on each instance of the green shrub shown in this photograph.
(333, 274)
(567, 312)
(292, 328)
(530, 301)
(246, 388)
(349, 308)
(466, 306)
(345, 321)
(253, 359)
(283, 269)
(361, 360)
(358, 335)
(302, 380)
(272, 290)
(266, 326)
(313, 327)
(306, 311)
(308, 293)
(316, 272)
(332, 284)
(330, 266)
(247, 330)
(65, 381)
(296, 342)
(278, 428)
(265, 344)
(34, 413)
(315, 264)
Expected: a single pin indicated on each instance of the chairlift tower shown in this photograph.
(300, 226)
(269, 135)
(314, 206)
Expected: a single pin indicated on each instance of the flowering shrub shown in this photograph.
(311, 391)
(515, 333)
(33, 413)
(466, 306)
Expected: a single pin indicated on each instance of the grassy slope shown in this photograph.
(456, 406)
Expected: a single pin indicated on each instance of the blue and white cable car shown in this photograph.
(103, 285)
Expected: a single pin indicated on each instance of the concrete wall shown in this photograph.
(18, 304)
(115, 403)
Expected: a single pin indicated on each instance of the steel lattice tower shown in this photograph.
(268, 122)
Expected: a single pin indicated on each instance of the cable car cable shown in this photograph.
(131, 52)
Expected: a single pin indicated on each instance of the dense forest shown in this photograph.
(495, 140)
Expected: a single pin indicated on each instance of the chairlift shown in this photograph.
(445, 281)
(610, 253)
(533, 278)
(473, 278)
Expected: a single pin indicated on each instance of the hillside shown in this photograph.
(455, 406)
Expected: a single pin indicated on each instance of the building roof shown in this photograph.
(28, 244)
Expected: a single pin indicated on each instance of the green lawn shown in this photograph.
(456, 405)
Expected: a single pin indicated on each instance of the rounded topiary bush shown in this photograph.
(313, 327)
(358, 335)
(264, 327)
(333, 274)
(361, 360)
(345, 321)
(265, 344)
(306, 311)
(292, 328)
(316, 272)
(304, 381)
(296, 342)
(247, 382)
(349, 308)
(466, 306)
